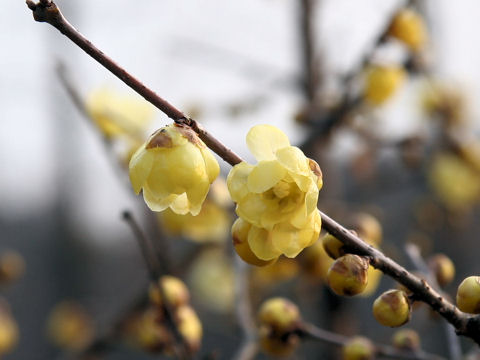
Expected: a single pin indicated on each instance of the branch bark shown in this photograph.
(466, 325)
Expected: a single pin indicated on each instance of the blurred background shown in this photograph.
(409, 158)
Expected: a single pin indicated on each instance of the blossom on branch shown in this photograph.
(276, 198)
(174, 168)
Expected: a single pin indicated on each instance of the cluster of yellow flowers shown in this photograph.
(276, 198)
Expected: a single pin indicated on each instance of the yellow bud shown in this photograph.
(175, 290)
(392, 308)
(70, 326)
(315, 261)
(368, 228)
(406, 339)
(190, 327)
(279, 314)
(468, 295)
(240, 230)
(12, 266)
(382, 82)
(174, 168)
(443, 269)
(333, 247)
(275, 346)
(358, 348)
(149, 333)
(348, 275)
(408, 27)
(8, 331)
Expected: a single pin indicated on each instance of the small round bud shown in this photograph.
(348, 275)
(175, 290)
(406, 339)
(443, 269)
(408, 27)
(279, 314)
(468, 295)
(12, 266)
(382, 82)
(333, 247)
(392, 308)
(277, 346)
(8, 330)
(368, 228)
(358, 348)
(190, 327)
(147, 332)
(70, 326)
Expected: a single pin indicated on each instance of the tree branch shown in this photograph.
(310, 331)
(466, 325)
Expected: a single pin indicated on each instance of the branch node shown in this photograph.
(44, 11)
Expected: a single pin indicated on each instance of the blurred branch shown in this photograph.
(413, 252)
(466, 325)
(310, 331)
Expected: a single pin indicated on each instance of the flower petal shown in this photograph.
(290, 240)
(237, 180)
(251, 208)
(264, 141)
(265, 175)
(157, 203)
(211, 164)
(181, 205)
(260, 243)
(294, 160)
(140, 167)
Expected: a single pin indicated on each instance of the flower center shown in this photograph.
(281, 189)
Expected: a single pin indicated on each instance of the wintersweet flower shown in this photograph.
(174, 168)
(278, 196)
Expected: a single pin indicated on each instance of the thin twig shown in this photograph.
(413, 252)
(466, 325)
(312, 332)
(155, 272)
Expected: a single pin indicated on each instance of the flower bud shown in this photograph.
(382, 82)
(190, 327)
(408, 27)
(174, 168)
(348, 275)
(406, 339)
(392, 308)
(368, 228)
(275, 346)
(175, 291)
(358, 348)
(279, 314)
(443, 269)
(468, 295)
(70, 326)
(12, 266)
(8, 330)
(333, 247)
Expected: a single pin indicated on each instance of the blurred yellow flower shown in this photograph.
(454, 181)
(409, 27)
(382, 82)
(277, 197)
(175, 169)
(118, 114)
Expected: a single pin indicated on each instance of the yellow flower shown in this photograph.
(409, 27)
(382, 82)
(116, 114)
(175, 169)
(277, 197)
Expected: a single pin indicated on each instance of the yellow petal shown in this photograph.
(211, 164)
(265, 175)
(264, 141)
(180, 205)
(294, 160)
(260, 242)
(251, 208)
(140, 167)
(157, 203)
(240, 231)
(290, 240)
(196, 195)
(237, 181)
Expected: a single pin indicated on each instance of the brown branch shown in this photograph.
(310, 331)
(466, 325)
